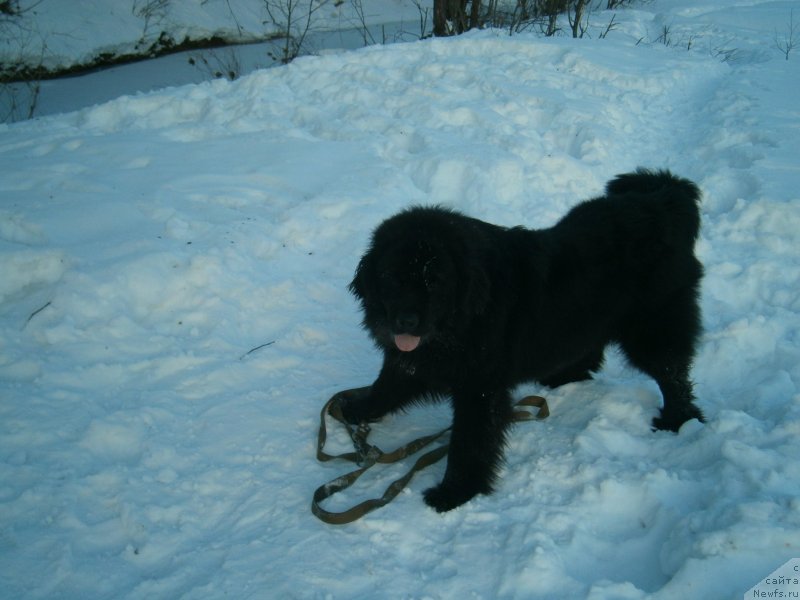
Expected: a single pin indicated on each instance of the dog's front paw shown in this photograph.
(354, 405)
(444, 497)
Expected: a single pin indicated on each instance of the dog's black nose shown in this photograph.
(406, 322)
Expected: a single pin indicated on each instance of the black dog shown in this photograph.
(468, 310)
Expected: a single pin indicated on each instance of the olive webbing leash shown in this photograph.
(366, 455)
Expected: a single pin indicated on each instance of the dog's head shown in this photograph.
(419, 280)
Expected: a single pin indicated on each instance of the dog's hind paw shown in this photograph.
(674, 419)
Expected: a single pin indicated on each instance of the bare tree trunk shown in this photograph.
(439, 18)
(549, 10)
(577, 29)
(450, 16)
(475, 15)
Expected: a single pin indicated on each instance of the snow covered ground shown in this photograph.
(148, 244)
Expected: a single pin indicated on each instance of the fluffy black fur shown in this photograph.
(486, 307)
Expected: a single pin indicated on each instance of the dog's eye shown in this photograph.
(388, 283)
(430, 274)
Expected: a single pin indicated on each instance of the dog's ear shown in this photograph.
(358, 287)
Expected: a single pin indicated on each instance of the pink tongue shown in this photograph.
(406, 342)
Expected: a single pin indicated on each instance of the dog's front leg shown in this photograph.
(480, 423)
(392, 390)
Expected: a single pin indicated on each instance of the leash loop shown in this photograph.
(366, 455)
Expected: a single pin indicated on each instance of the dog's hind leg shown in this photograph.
(662, 344)
(679, 406)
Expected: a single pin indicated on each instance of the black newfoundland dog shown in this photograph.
(467, 310)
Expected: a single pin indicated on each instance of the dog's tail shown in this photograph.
(681, 196)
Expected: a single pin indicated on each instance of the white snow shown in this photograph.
(149, 243)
